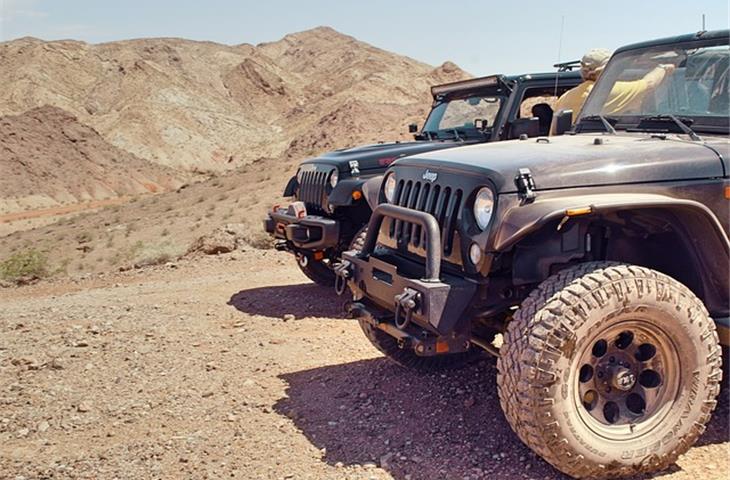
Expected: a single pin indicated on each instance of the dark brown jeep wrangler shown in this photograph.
(593, 264)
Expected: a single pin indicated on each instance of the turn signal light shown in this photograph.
(356, 195)
(727, 192)
(574, 212)
(318, 256)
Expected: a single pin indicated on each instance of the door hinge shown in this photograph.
(525, 185)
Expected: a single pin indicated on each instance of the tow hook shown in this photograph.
(406, 303)
(343, 271)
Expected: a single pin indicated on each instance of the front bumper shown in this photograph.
(414, 292)
(311, 232)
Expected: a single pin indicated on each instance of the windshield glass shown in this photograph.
(664, 80)
(463, 115)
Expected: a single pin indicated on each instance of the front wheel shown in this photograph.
(609, 370)
(318, 272)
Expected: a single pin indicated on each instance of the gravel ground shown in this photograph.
(236, 367)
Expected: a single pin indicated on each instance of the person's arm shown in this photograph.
(656, 76)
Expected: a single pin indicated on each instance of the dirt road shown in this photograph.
(237, 367)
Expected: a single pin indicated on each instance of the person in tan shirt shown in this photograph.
(591, 67)
(624, 96)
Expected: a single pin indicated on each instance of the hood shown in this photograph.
(379, 156)
(584, 160)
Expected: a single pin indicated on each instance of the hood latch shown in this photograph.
(525, 185)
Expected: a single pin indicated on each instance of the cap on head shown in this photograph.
(592, 63)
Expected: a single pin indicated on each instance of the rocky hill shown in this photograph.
(203, 106)
(48, 158)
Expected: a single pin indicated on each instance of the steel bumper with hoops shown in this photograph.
(412, 292)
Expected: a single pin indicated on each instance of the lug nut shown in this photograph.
(612, 359)
(608, 389)
(600, 374)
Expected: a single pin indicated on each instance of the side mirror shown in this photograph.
(563, 122)
(413, 128)
(524, 126)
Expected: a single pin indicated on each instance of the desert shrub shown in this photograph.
(156, 254)
(24, 265)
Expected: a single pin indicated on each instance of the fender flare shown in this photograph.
(341, 195)
(696, 224)
(291, 187)
(371, 191)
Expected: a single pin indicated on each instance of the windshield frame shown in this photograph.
(702, 123)
(469, 133)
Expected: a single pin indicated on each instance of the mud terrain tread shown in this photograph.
(524, 375)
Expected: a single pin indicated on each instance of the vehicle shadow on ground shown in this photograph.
(303, 300)
(419, 426)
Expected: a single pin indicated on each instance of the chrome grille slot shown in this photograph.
(442, 202)
(313, 189)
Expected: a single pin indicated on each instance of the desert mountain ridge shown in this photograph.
(203, 106)
(48, 158)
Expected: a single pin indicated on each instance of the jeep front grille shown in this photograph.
(443, 202)
(313, 188)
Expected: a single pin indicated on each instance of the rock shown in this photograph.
(207, 394)
(218, 241)
(55, 364)
(83, 407)
(23, 432)
(81, 344)
(288, 317)
(385, 460)
(43, 426)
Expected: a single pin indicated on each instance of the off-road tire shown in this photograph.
(537, 380)
(406, 357)
(318, 272)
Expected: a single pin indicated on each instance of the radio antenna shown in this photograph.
(703, 23)
(560, 51)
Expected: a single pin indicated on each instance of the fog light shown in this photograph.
(475, 254)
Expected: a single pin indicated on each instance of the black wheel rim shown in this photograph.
(627, 378)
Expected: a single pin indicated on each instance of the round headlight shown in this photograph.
(483, 207)
(475, 254)
(334, 177)
(389, 189)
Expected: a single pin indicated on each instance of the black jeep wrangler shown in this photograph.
(329, 207)
(593, 264)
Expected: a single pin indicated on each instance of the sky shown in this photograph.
(482, 37)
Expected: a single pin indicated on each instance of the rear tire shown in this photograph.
(408, 358)
(562, 373)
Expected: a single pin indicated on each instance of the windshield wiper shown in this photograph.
(682, 123)
(604, 120)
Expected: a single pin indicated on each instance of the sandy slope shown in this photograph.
(235, 366)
